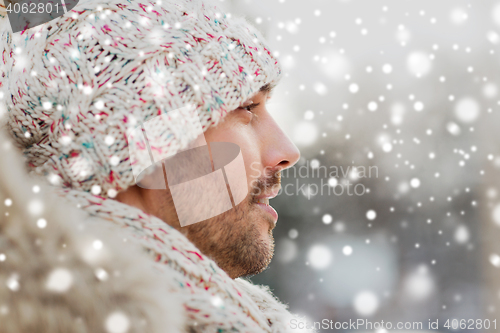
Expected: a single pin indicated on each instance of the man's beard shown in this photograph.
(234, 238)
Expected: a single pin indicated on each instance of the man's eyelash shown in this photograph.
(249, 107)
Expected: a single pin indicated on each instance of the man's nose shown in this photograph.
(281, 151)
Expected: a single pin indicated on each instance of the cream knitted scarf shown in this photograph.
(212, 301)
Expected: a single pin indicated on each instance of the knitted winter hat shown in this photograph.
(75, 86)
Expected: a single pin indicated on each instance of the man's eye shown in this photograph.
(246, 112)
(249, 107)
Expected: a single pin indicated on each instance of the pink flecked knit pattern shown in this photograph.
(75, 87)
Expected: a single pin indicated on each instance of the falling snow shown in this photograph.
(411, 90)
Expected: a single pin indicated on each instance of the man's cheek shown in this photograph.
(254, 170)
(253, 184)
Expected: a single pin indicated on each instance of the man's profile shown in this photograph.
(239, 240)
(77, 86)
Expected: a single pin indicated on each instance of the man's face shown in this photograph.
(239, 240)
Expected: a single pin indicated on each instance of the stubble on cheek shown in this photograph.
(239, 240)
(235, 240)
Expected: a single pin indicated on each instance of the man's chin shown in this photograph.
(262, 265)
(266, 250)
(258, 252)
(239, 241)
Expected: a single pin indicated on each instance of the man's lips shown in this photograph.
(270, 210)
(263, 202)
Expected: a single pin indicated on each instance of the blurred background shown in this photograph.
(393, 212)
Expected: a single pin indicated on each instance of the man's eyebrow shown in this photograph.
(267, 88)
